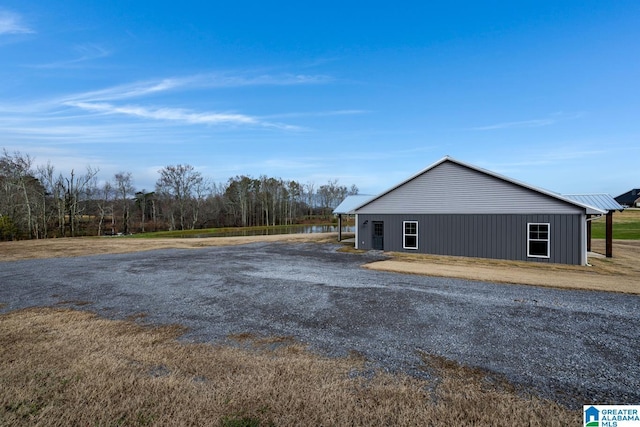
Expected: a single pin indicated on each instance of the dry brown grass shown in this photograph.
(617, 274)
(63, 367)
(80, 246)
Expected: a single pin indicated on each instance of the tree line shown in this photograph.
(39, 202)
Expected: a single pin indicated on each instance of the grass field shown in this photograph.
(64, 367)
(626, 225)
(237, 231)
(228, 231)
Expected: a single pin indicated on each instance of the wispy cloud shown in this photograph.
(106, 101)
(521, 124)
(180, 114)
(149, 105)
(534, 123)
(196, 81)
(87, 52)
(11, 23)
(320, 113)
(235, 80)
(192, 82)
(127, 91)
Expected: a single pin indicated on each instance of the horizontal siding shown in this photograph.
(453, 188)
(483, 236)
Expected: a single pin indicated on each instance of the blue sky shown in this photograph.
(369, 93)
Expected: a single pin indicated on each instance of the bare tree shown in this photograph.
(201, 190)
(124, 189)
(332, 194)
(14, 203)
(145, 202)
(176, 185)
(76, 189)
(20, 194)
(295, 192)
(240, 196)
(105, 205)
(310, 194)
(53, 199)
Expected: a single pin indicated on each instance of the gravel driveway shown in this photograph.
(573, 346)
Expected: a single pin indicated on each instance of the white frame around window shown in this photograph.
(538, 239)
(405, 235)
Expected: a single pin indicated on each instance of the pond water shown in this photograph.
(292, 229)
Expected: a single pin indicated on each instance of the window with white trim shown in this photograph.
(410, 234)
(538, 240)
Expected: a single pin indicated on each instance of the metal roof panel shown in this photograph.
(348, 205)
(599, 201)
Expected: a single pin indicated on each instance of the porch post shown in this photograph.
(609, 235)
(588, 234)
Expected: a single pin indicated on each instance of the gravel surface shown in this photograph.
(576, 347)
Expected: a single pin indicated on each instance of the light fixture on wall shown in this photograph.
(366, 221)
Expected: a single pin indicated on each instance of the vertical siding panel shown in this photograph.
(564, 228)
(471, 236)
(447, 233)
(485, 236)
(468, 227)
(481, 243)
(500, 236)
(520, 225)
(437, 230)
(437, 240)
(577, 235)
(481, 235)
(507, 242)
(453, 235)
(493, 234)
(561, 220)
(445, 237)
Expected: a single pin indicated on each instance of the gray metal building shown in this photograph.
(454, 208)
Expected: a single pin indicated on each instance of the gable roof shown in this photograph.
(629, 197)
(559, 199)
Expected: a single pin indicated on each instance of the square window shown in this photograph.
(410, 234)
(538, 241)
